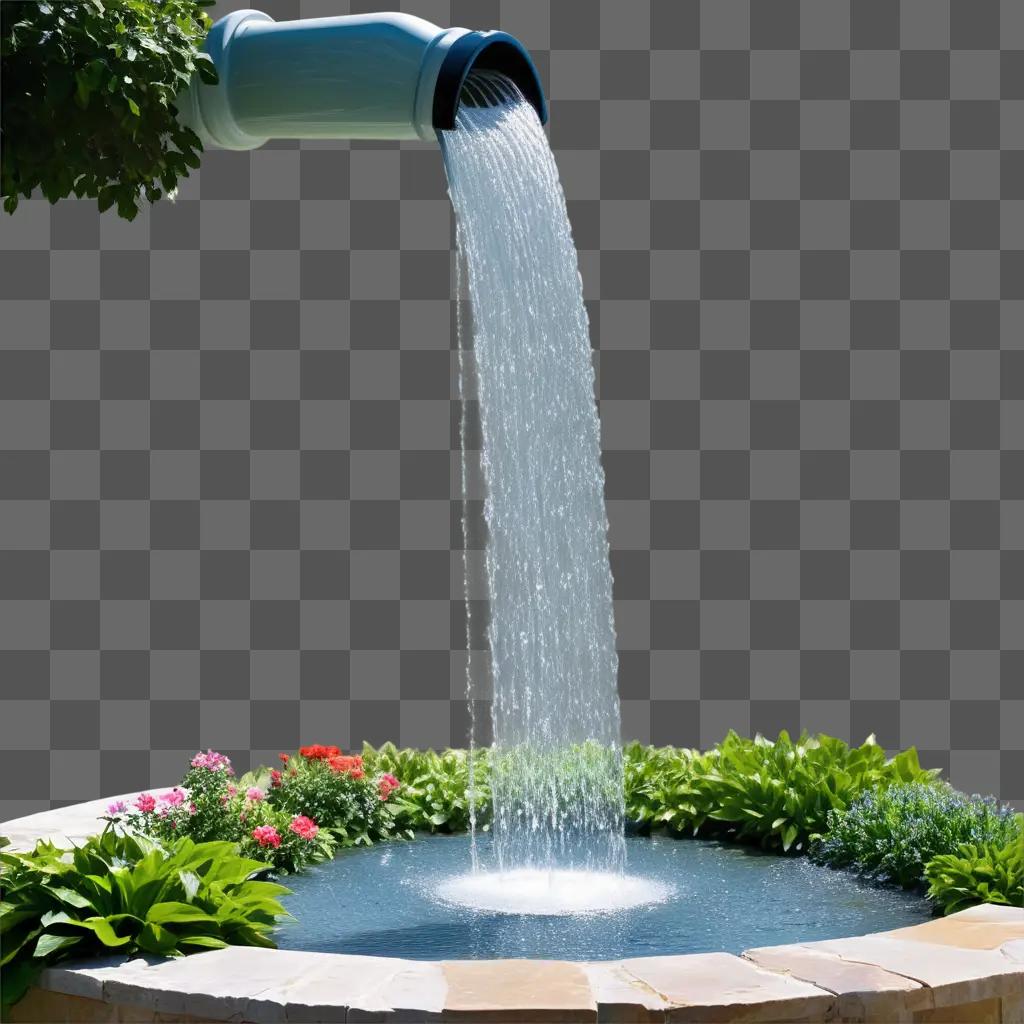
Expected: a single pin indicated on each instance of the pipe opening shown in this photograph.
(494, 52)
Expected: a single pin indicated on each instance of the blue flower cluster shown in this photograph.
(892, 834)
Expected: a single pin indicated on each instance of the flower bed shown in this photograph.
(814, 795)
(317, 801)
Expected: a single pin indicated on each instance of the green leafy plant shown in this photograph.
(661, 791)
(977, 873)
(777, 793)
(88, 96)
(891, 834)
(435, 787)
(127, 894)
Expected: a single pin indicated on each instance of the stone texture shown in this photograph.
(722, 987)
(42, 1007)
(968, 929)
(620, 996)
(955, 975)
(986, 1011)
(863, 991)
(1013, 1010)
(517, 990)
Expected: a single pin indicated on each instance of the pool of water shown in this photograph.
(390, 901)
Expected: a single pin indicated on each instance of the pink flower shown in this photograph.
(212, 761)
(232, 790)
(266, 835)
(387, 784)
(304, 827)
(117, 807)
(174, 797)
(254, 793)
(145, 802)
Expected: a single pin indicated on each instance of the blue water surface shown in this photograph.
(379, 902)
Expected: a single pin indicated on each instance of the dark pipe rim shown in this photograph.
(496, 51)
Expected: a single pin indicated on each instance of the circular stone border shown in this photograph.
(968, 967)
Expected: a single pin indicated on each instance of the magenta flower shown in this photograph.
(305, 827)
(174, 797)
(117, 807)
(387, 784)
(267, 835)
(145, 802)
(212, 761)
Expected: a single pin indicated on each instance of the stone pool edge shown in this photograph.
(967, 968)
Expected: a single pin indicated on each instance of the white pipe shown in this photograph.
(364, 76)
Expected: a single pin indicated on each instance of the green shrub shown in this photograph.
(775, 793)
(977, 873)
(127, 894)
(891, 834)
(346, 803)
(88, 97)
(661, 791)
(435, 787)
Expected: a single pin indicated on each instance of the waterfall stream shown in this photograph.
(556, 762)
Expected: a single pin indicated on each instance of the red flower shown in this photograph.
(145, 802)
(387, 784)
(304, 827)
(275, 778)
(351, 763)
(283, 758)
(318, 752)
(266, 835)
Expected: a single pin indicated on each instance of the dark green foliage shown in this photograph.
(777, 793)
(127, 894)
(88, 97)
(978, 873)
(893, 833)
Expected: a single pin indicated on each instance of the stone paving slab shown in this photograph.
(518, 990)
(723, 987)
(621, 996)
(863, 991)
(975, 928)
(953, 974)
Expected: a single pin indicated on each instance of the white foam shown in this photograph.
(528, 891)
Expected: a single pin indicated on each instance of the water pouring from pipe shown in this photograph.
(556, 774)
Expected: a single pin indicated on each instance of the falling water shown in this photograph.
(556, 764)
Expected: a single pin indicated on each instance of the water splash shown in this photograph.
(551, 893)
(556, 764)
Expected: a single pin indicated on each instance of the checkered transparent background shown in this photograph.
(229, 487)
